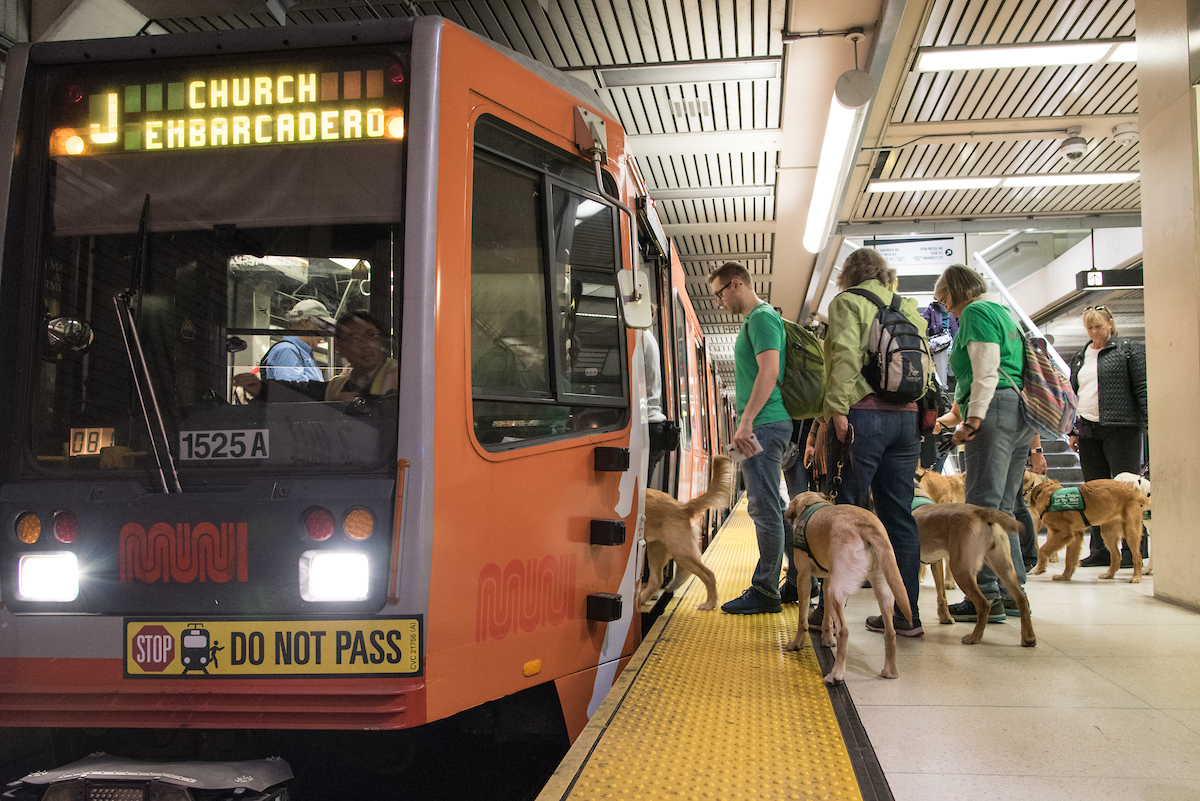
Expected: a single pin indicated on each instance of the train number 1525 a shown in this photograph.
(251, 443)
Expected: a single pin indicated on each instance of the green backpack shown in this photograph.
(803, 381)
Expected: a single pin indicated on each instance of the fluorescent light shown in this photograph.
(841, 131)
(1002, 181)
(702, 72)
(940, 59)
(48, 577)
(934, 184)
(334, 576)
(1072, 179)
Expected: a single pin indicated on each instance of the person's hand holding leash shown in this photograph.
(840, 425)
(967, 430)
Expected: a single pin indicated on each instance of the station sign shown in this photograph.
(1109, 279)
(938, 251)
(208, 648)
(221, 107)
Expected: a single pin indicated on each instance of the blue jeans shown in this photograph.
(995, 467)
(762, 474)
(886, 452)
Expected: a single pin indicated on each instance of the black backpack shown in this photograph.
(898, 360)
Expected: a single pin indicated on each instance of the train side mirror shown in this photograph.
(67, 337)
(636, 306)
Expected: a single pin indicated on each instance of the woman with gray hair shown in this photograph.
(988, 356)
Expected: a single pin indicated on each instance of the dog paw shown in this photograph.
(1029, 643)
(828, 642)
(971, 639)
(945, 620)
(707, 606)
(1136, 580)
(1054, 558)
(794, 645)
(1107, 576)
(889, 674)
(1063, 577)
(1039, 570)
(832, 679)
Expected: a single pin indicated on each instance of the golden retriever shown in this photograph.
(671, 534)
(943, 489)
(1112, 505)
(1028, 482)
(1142, 485)
(846, 545)
(968, 536)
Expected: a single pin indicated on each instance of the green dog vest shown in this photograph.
(1067, 499)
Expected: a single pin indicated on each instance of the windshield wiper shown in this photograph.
(168, 476)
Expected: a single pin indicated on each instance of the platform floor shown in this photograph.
(1107, 706)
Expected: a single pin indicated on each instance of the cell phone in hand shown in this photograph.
(737, 456)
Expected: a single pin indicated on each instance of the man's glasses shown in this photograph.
(722, 289)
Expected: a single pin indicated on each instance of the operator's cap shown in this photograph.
(310, 308)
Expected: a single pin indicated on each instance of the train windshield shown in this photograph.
(229, 231)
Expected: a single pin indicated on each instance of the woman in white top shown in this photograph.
(1109, 376)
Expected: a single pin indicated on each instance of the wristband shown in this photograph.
(1037, 450)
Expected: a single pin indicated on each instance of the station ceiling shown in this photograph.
(726, 102)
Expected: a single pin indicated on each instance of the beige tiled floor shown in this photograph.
(1107, 706)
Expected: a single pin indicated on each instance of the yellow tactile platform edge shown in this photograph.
(712, 706)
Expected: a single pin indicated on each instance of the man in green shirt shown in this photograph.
(758, 358)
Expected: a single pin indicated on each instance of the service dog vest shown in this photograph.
(921, 500)
(1068, 499)
(800, 532)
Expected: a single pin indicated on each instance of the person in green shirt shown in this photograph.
(758, 356)
(987, 357)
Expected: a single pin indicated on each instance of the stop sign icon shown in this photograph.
(153, 649)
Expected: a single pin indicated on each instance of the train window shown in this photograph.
(684, 374)
(547, 344)
(214, 311)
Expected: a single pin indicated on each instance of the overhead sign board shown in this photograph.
(922, 252)
(1109, 279)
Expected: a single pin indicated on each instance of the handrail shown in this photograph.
(990, 274)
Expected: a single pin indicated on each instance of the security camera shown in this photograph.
(1074, 147)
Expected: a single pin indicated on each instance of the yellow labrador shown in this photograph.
(671, 534)
(845, 545)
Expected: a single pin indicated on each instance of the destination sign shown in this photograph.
(224, 108)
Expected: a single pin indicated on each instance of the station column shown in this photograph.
(1167, 121)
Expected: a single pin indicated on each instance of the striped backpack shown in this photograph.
(1047, 399)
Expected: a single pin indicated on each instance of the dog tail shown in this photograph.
(877, 540)
(997, 518)
(718, 490)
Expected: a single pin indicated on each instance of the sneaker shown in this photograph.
(1101, 559)
(903, 627)
(964, 611)
(788, 594)
(1010, 608)
(816, 618)
(751, 602)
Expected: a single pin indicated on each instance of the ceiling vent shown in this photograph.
(691, 109)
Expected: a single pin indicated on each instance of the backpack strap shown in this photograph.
(863, 293)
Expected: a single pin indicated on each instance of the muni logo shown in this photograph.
(524, 595)
(183, 552)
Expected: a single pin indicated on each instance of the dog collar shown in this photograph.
(800, 532)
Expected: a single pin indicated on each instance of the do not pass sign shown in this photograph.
(153, 648)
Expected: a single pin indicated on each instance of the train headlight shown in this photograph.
(48, 577)
(334, 576)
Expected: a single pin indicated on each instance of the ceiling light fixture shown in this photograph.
(1002, 181)
(690, 72)
(942, 59)
(847, 110)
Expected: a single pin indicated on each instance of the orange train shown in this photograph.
(218, 512)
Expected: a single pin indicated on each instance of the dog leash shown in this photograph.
(843, 457)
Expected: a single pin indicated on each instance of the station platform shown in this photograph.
(712, 706)
(1105, 708)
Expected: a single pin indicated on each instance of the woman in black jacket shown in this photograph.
(1109, 376)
